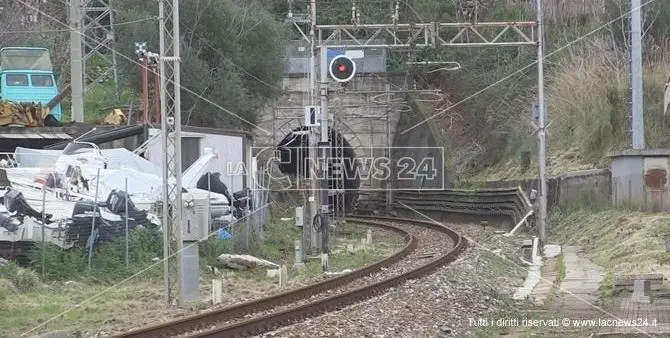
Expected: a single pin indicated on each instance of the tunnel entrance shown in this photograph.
(294, 153)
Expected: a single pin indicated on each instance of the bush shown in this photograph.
(5, 289)
(108, 261)
(23, 280)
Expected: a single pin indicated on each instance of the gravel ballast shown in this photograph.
(444, 304)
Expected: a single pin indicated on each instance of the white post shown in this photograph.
(283, 276)
(95, 209)
(76, 61)
(324, 145)
(308, 231)
(44, 208)
(368, 238)
(542, 136)
(127, 197)
(324, 262)
(217, 293)
(209, 200)
(298, 254)
(636, 75)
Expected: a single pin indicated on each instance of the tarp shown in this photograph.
(140, 185)
(116, 159)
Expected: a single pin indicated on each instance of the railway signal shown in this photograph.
(342, 68)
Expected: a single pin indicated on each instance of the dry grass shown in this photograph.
(588, 101)
(588, 98)
(558, 162)
(561, 10)
(139, 303)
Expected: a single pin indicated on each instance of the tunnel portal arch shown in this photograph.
(294, 152)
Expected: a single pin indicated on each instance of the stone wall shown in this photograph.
(358, 109)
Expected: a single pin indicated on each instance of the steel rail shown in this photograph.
(207, 319)
(269, 322)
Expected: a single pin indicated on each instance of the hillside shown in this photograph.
(587, 86)
(231, 50)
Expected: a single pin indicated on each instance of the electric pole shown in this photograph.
(636, 76)
(542, 136)
(76, 61)
(174, 268)
(91, 33)
(312, 149)
(324, 145)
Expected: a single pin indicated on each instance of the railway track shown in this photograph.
(428, 247)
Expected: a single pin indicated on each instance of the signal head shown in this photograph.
(342, 68)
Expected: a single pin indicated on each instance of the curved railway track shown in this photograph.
(428, 247)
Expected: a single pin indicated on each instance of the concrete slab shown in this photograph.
(551, 251)
(579, 289)
(641, 291)
(533, 277)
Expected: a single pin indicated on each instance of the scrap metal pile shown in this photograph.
(110, 220)
(27, 114)
(68, 183)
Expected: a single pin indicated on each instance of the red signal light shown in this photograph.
(342, 68)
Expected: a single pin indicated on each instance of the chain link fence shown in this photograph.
(85, 224)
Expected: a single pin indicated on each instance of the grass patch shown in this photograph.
(560, 269)
(27, 301)
(555, 292)
(620, 242)
(22, 312)
(559, 161)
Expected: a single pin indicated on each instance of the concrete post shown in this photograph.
(283, 276)
(76, 61)
(641, 291)
(298, 254)
(217, 291)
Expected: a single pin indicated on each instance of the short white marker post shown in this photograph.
(298, 254)
(217, 293)
(283, 276)
(324, 262)
(368, 239)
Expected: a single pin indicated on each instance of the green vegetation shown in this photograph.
(619, 241)
(558, 267)
(29, 299)
(232, 57)
(588, 89)
(108, 260)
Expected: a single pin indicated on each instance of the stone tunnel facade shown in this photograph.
(358, 111)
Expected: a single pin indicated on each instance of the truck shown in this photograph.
(26, 76)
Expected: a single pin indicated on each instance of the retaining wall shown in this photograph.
(586, 188)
